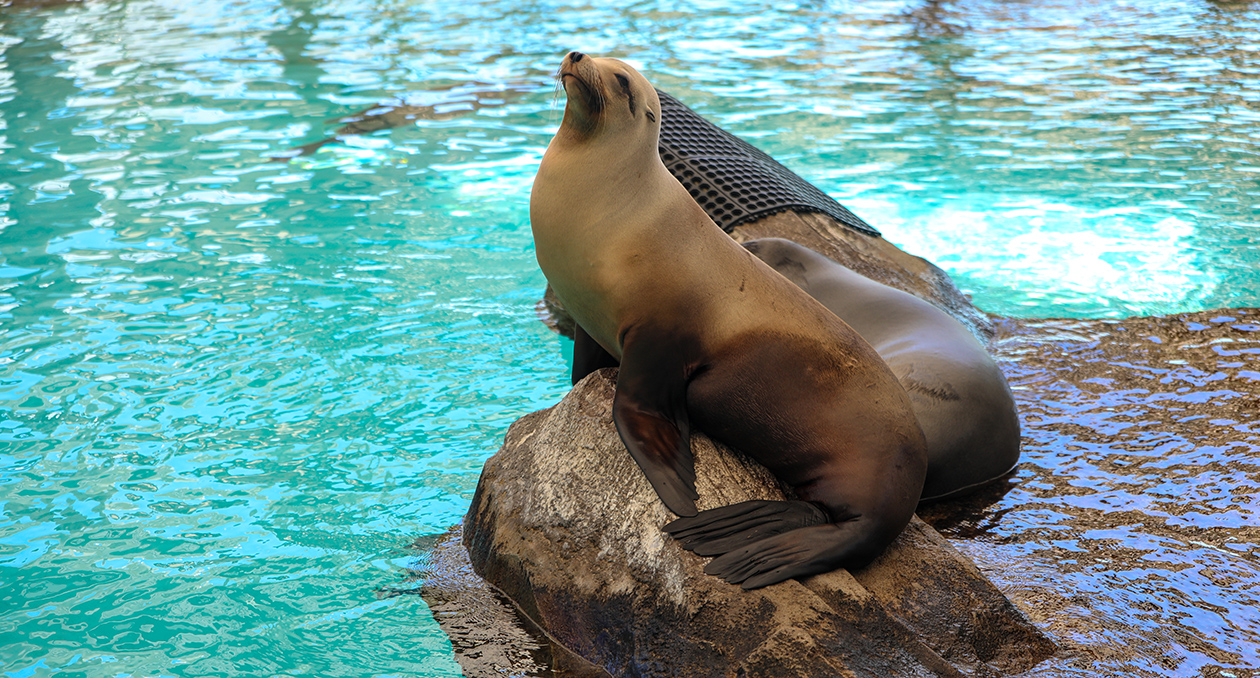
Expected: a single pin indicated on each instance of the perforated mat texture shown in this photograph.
(732, 180)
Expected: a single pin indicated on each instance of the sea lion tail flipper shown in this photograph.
(799, 553)
(588, 355)
(722, 530)
(650, 411)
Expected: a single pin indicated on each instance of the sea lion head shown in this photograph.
(606, 97)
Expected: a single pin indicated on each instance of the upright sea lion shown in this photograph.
(707, 334)
(958, 393)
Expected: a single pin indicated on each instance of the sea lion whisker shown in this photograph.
(555, 94)
(599, 102)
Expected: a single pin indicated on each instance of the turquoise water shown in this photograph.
(235, 388)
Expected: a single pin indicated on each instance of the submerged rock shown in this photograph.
(567, 527)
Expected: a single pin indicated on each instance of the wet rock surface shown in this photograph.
(487, 634)
(568, 528)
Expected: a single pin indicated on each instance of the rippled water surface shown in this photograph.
(1131, 531)
(237, 382)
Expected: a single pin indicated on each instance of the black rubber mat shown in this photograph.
(732, 180)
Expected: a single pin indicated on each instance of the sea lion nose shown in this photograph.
(575, 56)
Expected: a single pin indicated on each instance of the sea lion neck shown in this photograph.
(607, 179)
(582, 110)
(585, 125)
(603, 152)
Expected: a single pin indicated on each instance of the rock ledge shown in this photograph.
(565, 525)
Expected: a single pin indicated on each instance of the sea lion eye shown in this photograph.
(625, 85)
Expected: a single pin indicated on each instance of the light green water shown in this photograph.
(235, 389)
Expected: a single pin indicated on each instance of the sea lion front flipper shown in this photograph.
(722, 530)
(588, 355)
(799, 553)
(650, 411)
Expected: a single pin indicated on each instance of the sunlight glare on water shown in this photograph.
(237, 384)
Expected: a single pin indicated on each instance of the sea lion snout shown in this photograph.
(575, 62)
(583, 82)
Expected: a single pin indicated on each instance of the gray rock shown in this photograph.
(488, 636)
(566, 526)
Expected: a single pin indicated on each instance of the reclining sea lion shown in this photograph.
(958, 393)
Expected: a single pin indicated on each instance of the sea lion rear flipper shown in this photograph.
(588, 355)
(650, 411)
(722, 530)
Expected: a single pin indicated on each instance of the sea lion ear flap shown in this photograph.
(650, 411)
